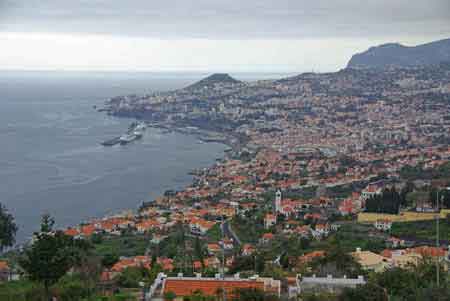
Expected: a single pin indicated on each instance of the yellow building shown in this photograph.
(371, 261)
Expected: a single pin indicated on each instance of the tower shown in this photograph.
(278, 201)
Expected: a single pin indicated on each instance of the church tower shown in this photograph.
(278, 201)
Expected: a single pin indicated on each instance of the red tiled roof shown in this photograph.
(310, 256)
(267, 236)
(71, 232)
(428, 251)
(185, 287)
(4, 266)
(88, 230)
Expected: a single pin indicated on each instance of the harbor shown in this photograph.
(134, 132)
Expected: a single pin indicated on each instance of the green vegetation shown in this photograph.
(214, 234)
(418, 172)
(252, 294)
(337, 262)
(388, 202)
(51, 255)
(303, 193)
(22, 290)
(8, 228)
(249, 230)
(422, 229)
(131, 277)
(349, 237)
(69, 288)
(125, 245)
(400, 284)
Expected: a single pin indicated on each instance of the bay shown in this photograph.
(51, 160)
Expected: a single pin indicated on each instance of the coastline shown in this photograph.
(203, 136)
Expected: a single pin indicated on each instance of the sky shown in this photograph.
(209, 35)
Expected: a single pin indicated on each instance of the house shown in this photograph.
(227, 244)
(323, 229)
(303, 231)
(186, 286)
(269, 220)
(308, 257)
(247, 249)
(127, 262)
(213, 248)
(335, 227)
(88, 230)
(200, 226)
(166, 263)
(383, 224)
(5, 271)
(327, 284)
(371, 190)
(426, 251)
(402, 259)
(210, 262)
(147, 225)
(72, 232)
(394, 242)
(267, 237)
(371, 261)
(157, 238)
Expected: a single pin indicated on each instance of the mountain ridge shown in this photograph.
(396, 54)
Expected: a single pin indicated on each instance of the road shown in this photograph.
(228, 231)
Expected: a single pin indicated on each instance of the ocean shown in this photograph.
(51, 160)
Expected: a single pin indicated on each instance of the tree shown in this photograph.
(253, 294)
(51, 255)
(259, 263)
(337, 262)
(169, 296)
(108, 260)
(199, 252)
(367, 292)
(388, 202)
(71, 288)
(8, 228)
(89, 270)
(397, 281)
(130, 277)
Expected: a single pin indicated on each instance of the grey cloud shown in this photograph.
(230, 19)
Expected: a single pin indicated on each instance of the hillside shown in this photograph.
(212, 80)
(394, 54)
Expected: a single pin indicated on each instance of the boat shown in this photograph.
(135, 131)
(127, 138)
(111, 142)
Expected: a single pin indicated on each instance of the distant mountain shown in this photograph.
(212, 80)
(394, 54)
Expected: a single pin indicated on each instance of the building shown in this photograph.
(269, 220)
(247, 249)
(5, 271)
(371, 190)
(267, 237)
(278, 208)
(186, 286)
(327, 284)
(371, 261)
(383, 224)
(401, 258)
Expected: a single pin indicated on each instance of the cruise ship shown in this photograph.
(135, 132)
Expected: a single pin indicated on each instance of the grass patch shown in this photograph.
(127, 245)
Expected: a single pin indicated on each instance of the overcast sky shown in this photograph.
(231, 35)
